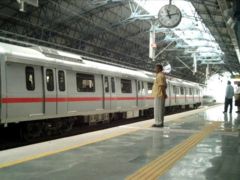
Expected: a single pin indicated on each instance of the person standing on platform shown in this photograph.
(159, 94)
(237, 98)
(228, 97)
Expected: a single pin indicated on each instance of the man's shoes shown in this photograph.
(224, 111)
(158, 125)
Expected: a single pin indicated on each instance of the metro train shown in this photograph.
(46, 90)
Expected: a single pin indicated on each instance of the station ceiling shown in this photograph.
(108, 30)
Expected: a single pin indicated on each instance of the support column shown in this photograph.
(207, 72)
(152, 42)
(194, 63)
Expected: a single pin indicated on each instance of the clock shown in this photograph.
(169, 16)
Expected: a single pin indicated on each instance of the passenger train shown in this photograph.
(43, 89)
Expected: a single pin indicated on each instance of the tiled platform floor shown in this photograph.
(217, 157)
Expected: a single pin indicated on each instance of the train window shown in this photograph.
(61, 81)
(30, 81)
(150, 85)
(182, 90)
(126, 86)
(197, 91)
(190, 91)
(174, 89)
(85, 83)
(142, 85)
(113, 84)
(106, 84)
(178, 90)
(49, 80)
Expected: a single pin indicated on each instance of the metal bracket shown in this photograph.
(181, 61)
(30, 2)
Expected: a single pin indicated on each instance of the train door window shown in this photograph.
(139, 86)
(150, 85)
(178, 90)
(106, 84)
(182, 90)
(49, 80)
(113, 84)
(30, 80)
(61, 81)
(126, 86)
(142, 85)
(85, 82)
(174, 89)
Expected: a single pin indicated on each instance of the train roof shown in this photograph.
(46, 56)
(38, 55)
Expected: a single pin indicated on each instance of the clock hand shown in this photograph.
(174, 14)
(168, 14)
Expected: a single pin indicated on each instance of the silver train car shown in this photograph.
(50, 88)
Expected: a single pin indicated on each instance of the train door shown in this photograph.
(62, 103)
(106, 93)
(50, 92)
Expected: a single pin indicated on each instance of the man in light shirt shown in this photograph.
(228, 97)
(159, 94)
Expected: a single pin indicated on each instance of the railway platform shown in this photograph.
(198, 144)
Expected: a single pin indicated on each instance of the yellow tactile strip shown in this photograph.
(163, 163)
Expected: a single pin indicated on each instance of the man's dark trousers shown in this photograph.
(226, 104)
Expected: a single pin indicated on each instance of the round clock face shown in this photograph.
(169, 16)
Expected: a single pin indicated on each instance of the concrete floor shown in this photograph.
(216, 157)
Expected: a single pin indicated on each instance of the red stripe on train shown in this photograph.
(75, 99)
(21, 100)
(63, 99)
